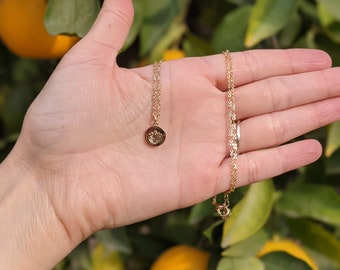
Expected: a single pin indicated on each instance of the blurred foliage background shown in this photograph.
(290, 222)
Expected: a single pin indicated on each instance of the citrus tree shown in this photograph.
(291, 222)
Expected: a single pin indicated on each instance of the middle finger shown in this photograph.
(282, 93)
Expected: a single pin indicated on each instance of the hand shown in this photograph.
(82, 148)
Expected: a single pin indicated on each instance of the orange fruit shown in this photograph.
(24, 33)
(290, 247)
(182, 257)
(172, 54)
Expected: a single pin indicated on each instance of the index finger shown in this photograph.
(255, 65)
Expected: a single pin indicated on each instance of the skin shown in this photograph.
(81, 164)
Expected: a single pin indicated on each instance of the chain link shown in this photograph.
(223, 209)
(156, 92)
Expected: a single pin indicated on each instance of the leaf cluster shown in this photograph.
(303, 205)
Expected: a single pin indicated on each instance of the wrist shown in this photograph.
(31, 235)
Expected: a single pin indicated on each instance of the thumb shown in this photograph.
(111, 28)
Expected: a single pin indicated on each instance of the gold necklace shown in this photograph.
(223, 209)
(155, 135)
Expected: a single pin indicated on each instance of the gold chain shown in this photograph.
(156, 92)
(155, 135)
(223, 209)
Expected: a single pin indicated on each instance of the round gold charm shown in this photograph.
(155, 136)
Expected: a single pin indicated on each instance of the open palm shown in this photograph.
(85, 130)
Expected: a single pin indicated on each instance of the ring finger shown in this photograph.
(273, 129)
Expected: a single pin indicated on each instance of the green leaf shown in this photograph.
(148, 245)
(333, 164)
(242, 263)
(73, 17)
(250, 214)
(115, 240)
(10, 139)
(103, 259)
(60, 265)
(137, 23)
(319, 202)
(328, 45)
(196, 46)
(333, 6)
(333, 140)
(239, 2)
(291, 31)
(200, 211)
(178, 230)
(306, 41)
(209, 233)
(173, 35)
(308, 9)
(316, 237)
(80, 257)
(230, 33)
(329, 23)
(267, 18)
(248, 247)
(25, 71)
(15, 107)
(283, 261)
(158, 16)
